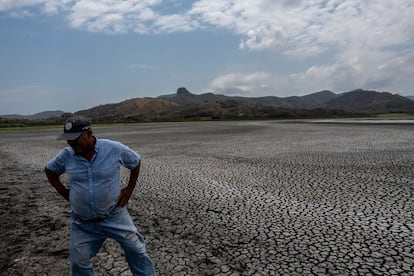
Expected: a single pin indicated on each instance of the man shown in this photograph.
(98, 204)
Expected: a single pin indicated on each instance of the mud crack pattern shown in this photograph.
(231, 198)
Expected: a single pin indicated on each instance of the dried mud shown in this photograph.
(229, 198)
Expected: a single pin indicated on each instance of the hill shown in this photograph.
(37, 116)
(185, 105)
(371, 102)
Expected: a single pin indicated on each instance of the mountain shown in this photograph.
(318, 99)
(369, 102)
(186, 105)
(410, 97)
(183, 96)
(315, 100)
(37, 116)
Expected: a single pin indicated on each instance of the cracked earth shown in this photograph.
(229, 198)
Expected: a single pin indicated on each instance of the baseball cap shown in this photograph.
(74, 127)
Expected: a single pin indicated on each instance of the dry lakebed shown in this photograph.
(229, 198)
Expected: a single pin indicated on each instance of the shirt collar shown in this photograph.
(97, 143)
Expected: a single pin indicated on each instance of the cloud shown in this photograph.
(292, 27)
(174, 23)
(48, 6)
(310, 27)
(369, 43)
(112, 16)
(242, 84)
(21, 14)
(373, 70)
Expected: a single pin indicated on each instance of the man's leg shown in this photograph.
(120, 227)
(85, 242)
(138, 260)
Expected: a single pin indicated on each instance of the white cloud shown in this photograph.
(310, 27)
(174, 23)
(110, 15)
(55, 6)
(374, 70)
(292, 27)
(243, 84)
(371, 42)
(48, 6)
(21, 14)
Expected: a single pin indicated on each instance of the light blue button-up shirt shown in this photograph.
(95, 185)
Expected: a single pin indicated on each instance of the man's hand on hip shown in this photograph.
(123, 198)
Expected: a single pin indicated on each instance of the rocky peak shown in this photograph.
(182, 91)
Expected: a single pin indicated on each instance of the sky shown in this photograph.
(72, 55)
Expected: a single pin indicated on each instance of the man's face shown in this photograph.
(82, 144)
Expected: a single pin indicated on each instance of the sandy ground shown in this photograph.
(230, 198)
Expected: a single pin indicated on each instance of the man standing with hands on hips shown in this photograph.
(96, 198)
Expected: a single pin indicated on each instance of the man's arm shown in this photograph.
(126, 192)
(55, 181)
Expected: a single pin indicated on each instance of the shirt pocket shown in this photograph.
(106, 173)
(78, 175)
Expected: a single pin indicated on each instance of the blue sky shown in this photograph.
(75, 54)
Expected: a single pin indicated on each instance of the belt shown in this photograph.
(95, 219)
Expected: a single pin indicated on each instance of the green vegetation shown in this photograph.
(24, 123)
(188, 114)
(394, 116)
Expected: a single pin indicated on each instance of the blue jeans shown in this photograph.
(87, 237)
